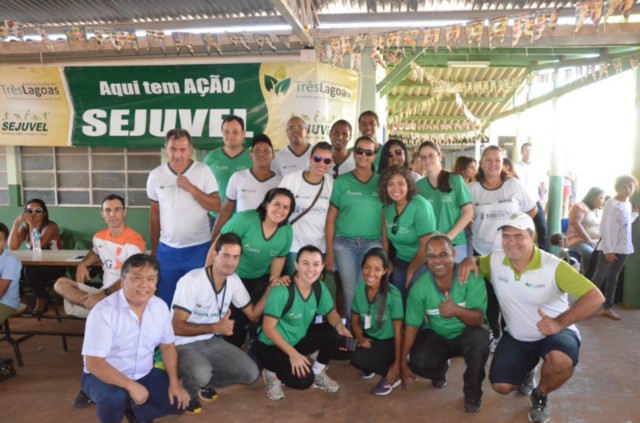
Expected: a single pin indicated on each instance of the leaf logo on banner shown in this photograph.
(279, 83)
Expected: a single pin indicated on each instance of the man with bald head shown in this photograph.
(296, 155)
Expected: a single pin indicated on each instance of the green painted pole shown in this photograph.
(631, 290)
(556, 178)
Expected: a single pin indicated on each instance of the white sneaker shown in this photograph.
(273, 385)
(324, 382)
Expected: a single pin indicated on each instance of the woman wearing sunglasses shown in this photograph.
(409, 222)
(449, 196)
(354, 220)
(312, 190)
(39, 278)
(394, 153)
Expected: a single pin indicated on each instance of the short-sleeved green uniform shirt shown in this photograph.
(415, 221)
(425, 296)
(447, 206)
(392, 311)
(295, 324)
(359, 207)
(224, 166)
(257, 251)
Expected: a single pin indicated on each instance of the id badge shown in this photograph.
(367, 321)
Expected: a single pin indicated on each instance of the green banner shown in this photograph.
(134, 106)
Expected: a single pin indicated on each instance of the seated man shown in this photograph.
(200, 319)
(119, 341)
(111, 247)
(532, 287)
(452, 314)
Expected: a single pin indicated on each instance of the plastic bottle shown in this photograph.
(35, 238)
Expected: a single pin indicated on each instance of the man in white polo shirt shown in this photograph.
(296, 155)
(533, 179)
(201, 316)
(181, 193)
(120, 336)
(532, 287)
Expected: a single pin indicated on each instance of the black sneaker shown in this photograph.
(208, 394)
(194, 407)
(539, 412)
(81, 401)
(472, 406)
(439, 382)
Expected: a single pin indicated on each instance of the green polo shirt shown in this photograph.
(384, 329)
(224, 166)
(416, 220)
(359, 207)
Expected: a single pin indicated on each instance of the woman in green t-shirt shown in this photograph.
(376, 321)
(353, 221)
(288, 334)
(408, 223)
(266, 239)
(449, 196)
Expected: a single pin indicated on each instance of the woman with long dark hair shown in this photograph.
(376, 322)
(394, 153)
(449, 196)
(467, 167)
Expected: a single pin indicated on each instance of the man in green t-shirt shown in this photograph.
(443, 320)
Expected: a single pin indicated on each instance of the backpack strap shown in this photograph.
(315, 287)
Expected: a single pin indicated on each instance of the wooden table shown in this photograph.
(66, 258)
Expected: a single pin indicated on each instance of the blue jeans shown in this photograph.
(214, 362)
(348, 255)
(399, 276)
(111, 401)
(175, 263)
(607, 275)
(585, 250)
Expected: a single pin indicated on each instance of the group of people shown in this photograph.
(241, 247)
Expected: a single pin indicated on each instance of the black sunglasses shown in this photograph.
(398, 152)
(319, 159)
(36, 211)
(394, 228)
(360, 151)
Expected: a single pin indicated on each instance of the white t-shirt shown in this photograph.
(348, 165)
(286, 161)
(531, 177)
(492, 208)
(310, 229)
(615, 227)
(247, 191)
(183, 221)
(196, 295)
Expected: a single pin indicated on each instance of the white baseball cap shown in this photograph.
(520, 221)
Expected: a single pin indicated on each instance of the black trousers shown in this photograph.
(430, 354)
(256, 288)
(376, 359)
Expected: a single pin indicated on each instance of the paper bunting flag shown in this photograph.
(474, 33)
(76, 35)
(356, 61)
(519, 24)
(102, 36)
(539, 26)
(285, 39)
(321, 53)
(360, 42)
(45, 38)
(410, 39)
(211, 42)
(182, 39)
(236, 39)
(394, 39)
(498, 29)
(431, 38)
(347, 47)
(633, 61)
(377, 59)
(156, 39)
(619, 6)
(553, 19)
(589, 9)
(337, 51)
(617, 65)
(262, 40)
(12, 29)
(452, 35)
(124, 39)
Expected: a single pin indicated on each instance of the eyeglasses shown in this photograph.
(360, 151)
(394, 228)
(325, 160)
(398, 152)
(296, 127)
(439, 256)
(431, 156)
(36, 211)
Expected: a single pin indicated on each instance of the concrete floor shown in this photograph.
(605, 388)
